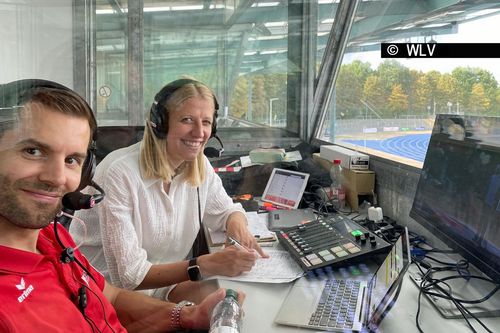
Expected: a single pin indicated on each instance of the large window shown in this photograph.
(386, 106)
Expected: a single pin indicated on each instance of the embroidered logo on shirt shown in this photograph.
(22, 285)
(26, 291)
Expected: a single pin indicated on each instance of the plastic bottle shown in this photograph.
(226, 317)
(336, 188)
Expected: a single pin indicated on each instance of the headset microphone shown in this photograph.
(212, 151)
(77, 200)
(74, 201)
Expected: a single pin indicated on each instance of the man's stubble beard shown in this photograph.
(13, 210)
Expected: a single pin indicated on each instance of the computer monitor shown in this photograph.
(458, 194)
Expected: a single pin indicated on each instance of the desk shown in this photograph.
(264, 300)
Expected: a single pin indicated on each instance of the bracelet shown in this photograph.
(175, 315)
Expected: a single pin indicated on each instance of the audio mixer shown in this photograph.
(329, 241)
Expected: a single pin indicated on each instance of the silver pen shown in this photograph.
(234, 242)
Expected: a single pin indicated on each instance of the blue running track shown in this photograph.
(413, 146)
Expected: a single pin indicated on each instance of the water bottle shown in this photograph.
(336, 188)
(226, 317)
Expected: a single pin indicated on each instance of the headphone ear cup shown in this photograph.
(158, 121)
(88, 170)
(214, 122)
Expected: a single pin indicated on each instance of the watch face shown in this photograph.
(194, 273)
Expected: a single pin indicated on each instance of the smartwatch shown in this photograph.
(193, 270)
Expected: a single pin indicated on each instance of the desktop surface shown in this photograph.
(263, 301)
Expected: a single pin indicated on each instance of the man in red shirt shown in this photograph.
(45, 133)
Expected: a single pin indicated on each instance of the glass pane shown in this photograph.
(387, 106)
(111, 58)
(37, 41)
(238, 48)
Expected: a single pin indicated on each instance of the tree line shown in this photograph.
(389, 91)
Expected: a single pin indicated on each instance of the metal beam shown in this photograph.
(84, 50)
(332, 59)
(135, 68)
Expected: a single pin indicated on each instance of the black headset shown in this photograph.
(158, 115)
(16, 93)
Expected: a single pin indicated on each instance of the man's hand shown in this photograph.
(198, 317)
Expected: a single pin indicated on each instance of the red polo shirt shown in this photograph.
(39, 293)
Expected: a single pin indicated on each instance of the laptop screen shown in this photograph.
(285, 188)
(386, 281)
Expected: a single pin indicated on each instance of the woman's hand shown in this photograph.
(236, 228)
(231, 261)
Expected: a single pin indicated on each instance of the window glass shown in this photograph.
(387, 107)
(238, 48)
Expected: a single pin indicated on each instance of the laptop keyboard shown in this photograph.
(337, 305)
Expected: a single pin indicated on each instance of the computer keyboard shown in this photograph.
(337, 305)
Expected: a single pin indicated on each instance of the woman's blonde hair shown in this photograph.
(154, 159)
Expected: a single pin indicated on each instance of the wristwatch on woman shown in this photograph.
(193, 270)
(175, 315)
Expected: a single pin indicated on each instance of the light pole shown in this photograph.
(271, 110)
(449, 106)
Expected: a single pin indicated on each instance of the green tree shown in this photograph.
(398, 101)
(349, 87)
(259, 99)
(445, 92)
(480, 103)
(374, 94)
(422, 95)
(238, 107)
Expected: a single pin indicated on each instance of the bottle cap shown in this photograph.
(336, 161)
(232, 293)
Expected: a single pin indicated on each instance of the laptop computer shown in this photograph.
(285, 188)
(344, 305)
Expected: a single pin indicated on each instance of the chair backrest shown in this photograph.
(110, 138)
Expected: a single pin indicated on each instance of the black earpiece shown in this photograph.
(158, 114)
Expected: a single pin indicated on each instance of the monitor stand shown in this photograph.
(472, 289)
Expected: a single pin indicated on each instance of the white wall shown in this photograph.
(36, 40)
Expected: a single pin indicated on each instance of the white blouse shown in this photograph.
(138, 224)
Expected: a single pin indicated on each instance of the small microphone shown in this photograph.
(77, 200)
(212, 152)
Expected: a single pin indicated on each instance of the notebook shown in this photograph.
(285, 188)
(346, 305)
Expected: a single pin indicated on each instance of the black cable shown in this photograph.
(428, 283)
(56, 234)
(103, 309)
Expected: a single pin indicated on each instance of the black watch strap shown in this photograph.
(193, 270)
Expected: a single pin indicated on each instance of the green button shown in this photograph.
(356, 233)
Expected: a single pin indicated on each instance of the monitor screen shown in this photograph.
(458, 194)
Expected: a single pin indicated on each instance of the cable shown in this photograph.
(440, 287)
(75, 260)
